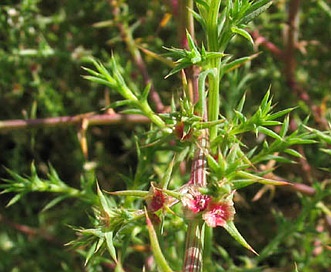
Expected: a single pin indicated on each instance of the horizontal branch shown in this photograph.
(91, 118)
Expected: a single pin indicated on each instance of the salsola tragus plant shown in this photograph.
(221, 162)
(163, 194)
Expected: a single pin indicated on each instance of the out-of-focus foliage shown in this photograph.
(43, 45)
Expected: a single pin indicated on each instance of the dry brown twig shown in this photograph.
(93, 119)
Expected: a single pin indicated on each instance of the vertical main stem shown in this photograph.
(213, 104)
(193, 261)
(195, 235)
(194, 246)
(214, 81)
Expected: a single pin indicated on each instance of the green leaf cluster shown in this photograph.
(251, 143)
(136, 101)
(21, 186)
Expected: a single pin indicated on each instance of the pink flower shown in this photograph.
(198, 203)
(195, 201)
(214, 212)
(218, 213)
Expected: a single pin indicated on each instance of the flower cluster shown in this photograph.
(214, 212)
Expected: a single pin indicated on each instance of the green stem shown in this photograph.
(142, 105)
(146, 109)
(212, 26)
(213, 103)
(214, 81)
(158, 255)
(132, 47)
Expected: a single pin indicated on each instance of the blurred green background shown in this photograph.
(43, 45)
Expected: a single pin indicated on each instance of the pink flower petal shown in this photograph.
(218, 213)
(196, 202)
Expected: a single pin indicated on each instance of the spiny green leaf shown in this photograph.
(178, 68)
(198, 18)
(99, 80)
(241, 183)
(232, 230)
(122, 103)
(227, 67)
(110, 245)
(271, 123)
(325, 136)
(53, 175)
(241, 103)
(299, 141)
(99, 244)
(14, 200)
(267, 157)
(327, 151)
(105, 204)
(265, 100)
(158, 57)
(213, 164)
(195, 55)
(133, 111)
(102, 70)
(144, 95)
(137, 193)
(293, 153)
(243, 33)
(279, 113)
(92, 72)
(269, 132)
(233, 153)
(284, 127)
(16, 178)
(261, 180)
(255, 10)
(54, 202)
(90, 253)
(94, 232)
(203, 4)
(165, 180)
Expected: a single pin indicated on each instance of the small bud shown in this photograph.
(183, 133)
(156, 199)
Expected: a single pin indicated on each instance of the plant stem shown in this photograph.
(160, 260)
(126, 33)
(186, 23)
(194, 246)
(291, 42)
(193, 261)
(214, 81)
(92, 118)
